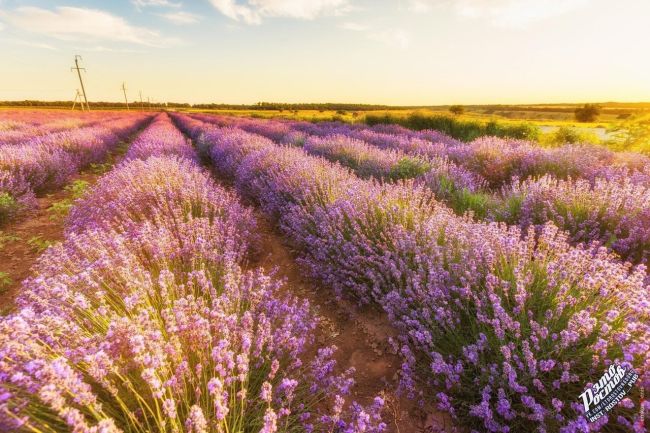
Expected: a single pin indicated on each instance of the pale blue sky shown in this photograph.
(402, 52)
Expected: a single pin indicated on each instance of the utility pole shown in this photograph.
(78, 69)
(77, 97)
(141, 105)
(125, 99)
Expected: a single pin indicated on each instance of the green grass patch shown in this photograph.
(409, 168)
(61, 208)
(38, 244)
(100, 168)
(5, 282)
(460, 129)
(8, 205)
(5, 238)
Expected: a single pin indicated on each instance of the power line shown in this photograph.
(78, 69)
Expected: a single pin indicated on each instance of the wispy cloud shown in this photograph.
(181, 17)
(393, 37)
(155, 3)
(30, 44)
(420, 5)
(504, 13)
(81, 24)
(104, 49)
(254, 11)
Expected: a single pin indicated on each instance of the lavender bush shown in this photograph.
(365, 160)
(612, 213)
(159, 139)
(16, 196)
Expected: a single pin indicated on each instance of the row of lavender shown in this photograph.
(613, 211)
(47, 162)
(143, 320)
(496, 161)
(500, 328)
(10, 118)
(17, 127)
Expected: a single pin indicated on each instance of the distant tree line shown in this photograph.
(299, 106)
(607, 107)
(259, 106)
(99, 104)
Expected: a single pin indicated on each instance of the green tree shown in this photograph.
(587, 113)
(457, 109)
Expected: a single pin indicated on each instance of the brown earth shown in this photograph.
(360, 334)
(17, 256)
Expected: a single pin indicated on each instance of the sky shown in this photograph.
(396, 52)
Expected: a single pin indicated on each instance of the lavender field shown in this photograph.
(229, 274)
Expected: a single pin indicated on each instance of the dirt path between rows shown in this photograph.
(361, 335)
(18, 254)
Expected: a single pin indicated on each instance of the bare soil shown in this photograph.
(360, 334)
(17, 256)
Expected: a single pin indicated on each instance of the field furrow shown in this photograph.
(362, 336)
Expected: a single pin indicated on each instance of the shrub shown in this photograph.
(409, 167)
(565, 135)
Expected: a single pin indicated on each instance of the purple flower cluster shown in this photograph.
(500, 327)
(611, 213)
(495, 159)
(48, 161)
(144, 320)
(614, 213)
(499, 160)
(159, 139)
(365, 160)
